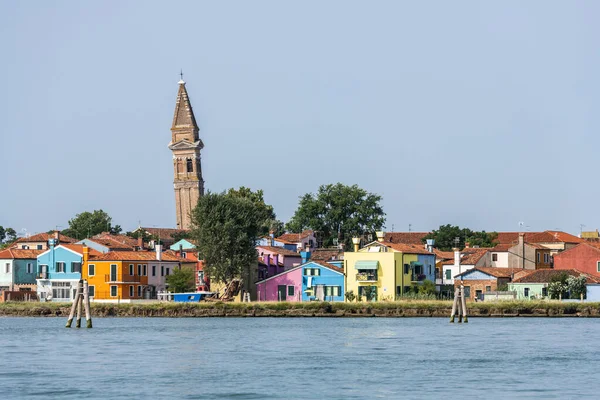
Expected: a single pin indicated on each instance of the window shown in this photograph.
(113, 272)
(60, 266)
(29, 268)
(131, 269)
(39, 247)
(145, 269)
(539, 257)
(183, 254)
(290, 291)
(139, 269)
(333, 291)
(598, 269)
(7, 268)
(91, 270)
(130, 291)
(91, 291)
(545, 291)
(467, 292)
(162, 270)
(201, 277)
(494, 256)
(167, 271)
(478, 294)
(488, 288)
(113, 291)
(25, 247)
(154, 270)
(312, 271)
(189, 165)
(139, 291)
(76, 267)
(526, 291)
(448, 274)
(406, 268)
(61, 290)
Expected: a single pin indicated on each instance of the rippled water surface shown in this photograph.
(285, 358)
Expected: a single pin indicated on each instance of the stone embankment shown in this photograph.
(412, 308)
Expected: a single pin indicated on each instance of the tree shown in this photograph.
(446, 234)
(88, 224)
(7, 235)
(338, 212)
(182, 280)
(557, 288)
(427, 287)
(226, 227)
(177, 236)
(576, 286)
(264, 212)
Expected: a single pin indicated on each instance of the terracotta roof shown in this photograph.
(79, 249)
(135, 256)
(292, 238)
(280, 250)
(495, 272)
(443, 255)
(164, 234)
(406, 248)
(113, 244)
(19, 254)
(469, 256)
(124, 240)
(43, 237)
(326, 254)
(545, 276)
(566, 253)
(502, 247)
(538, 237)
(190, 255)
(405, 237)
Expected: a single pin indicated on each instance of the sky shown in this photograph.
(478, 114)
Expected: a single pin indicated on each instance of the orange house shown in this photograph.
(118, 275)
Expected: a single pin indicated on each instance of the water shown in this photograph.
(277, 358)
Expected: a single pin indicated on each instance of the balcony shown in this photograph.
(418, 277)
(366, 276)
(115, 279)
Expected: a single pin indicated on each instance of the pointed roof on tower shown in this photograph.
(184, 115)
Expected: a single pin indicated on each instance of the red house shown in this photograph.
(585, 257)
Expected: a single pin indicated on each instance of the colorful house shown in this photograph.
(189, 259)
(18, 269)
(556, 241)
(383, 270)
(183, 244)
(39, 241)
(314, 280)
(584, 257)
(534, 284)
(469, 258)
(526, 255)
(276, 259)
(480, 280)
(128, 275)
(59, 271)
(299, 241)
(105, 242)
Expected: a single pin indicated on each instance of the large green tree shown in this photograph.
(7, 236)
(264, 212)
(338, 212)
(88, 224)
(226, 227)
(182, 280)
(445, 237)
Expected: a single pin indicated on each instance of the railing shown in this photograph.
(366, 277)
(115, 279)
(418, 277)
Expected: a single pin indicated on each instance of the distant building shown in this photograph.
(18, 269)
(480, 280)
(534, 284)
(39, 241)
(584, 257)
(525, 255)
(299, 241)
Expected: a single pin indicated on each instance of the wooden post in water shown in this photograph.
(86, 303)
(454, 305)
(463, 301)
(79, 307)
(74, 307)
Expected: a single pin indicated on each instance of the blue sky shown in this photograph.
(473, 113)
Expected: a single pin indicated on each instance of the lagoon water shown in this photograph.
(300, 358)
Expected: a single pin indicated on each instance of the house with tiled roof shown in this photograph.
(312, 280)
(464, 260)
(18, 269)
(299, 240)
(386, 270)
(276, 259)
(39, 241)
(480, 280)
(59, 271)
(416, 238)
(105, 242)
(499, 255)
(129, 275)
(534, 284)
(584, 257)
(556, 241)
(525, 255)
(163, 236)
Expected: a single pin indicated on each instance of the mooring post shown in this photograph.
(73, 308)
(464, 304)
(79, 304)
(86, 303)
(454, 304)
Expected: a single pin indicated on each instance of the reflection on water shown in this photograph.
(278, 358)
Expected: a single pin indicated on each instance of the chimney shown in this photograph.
(57, 236)
(158, 248)
(467, 245)
(271, 238)
(521, 238)
(276, 259)
(86, 254)
(305, 255)
(356, 243)
(456, 257)
(140, 243)
(180, 250)
(380, 236)
(429, 245)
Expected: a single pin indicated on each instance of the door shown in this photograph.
(113, 272)
(281, 292)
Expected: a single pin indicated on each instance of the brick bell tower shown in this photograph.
(185, 145)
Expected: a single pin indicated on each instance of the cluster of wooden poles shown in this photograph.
(81, 300)
(459, 306)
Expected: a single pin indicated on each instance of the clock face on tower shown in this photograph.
(187, 171)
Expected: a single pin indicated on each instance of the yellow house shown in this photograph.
(384, 271)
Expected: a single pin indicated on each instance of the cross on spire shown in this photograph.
(181, 81)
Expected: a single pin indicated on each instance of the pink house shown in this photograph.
(282, 287)
(278, 259)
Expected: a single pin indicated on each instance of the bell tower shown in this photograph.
(185, 145)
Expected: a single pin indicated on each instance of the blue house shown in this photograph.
(18, 269)
(59, 271)
(183, 244)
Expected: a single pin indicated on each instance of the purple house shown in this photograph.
(276, 260)
(286, 286)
